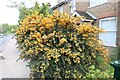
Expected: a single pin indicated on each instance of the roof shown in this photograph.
(59, 4)
(88, 16)
(85, 14)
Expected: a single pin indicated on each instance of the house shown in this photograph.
(105, 13)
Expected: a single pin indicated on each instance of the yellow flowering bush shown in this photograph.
(57, 47)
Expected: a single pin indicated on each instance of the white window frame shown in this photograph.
(100, 25)
(61, 1)
(61, 9)
(72, 6)
(97, 3)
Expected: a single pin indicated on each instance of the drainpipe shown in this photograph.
(118, 29)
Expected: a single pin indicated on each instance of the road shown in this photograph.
(4, 41)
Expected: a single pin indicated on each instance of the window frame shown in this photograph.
(72, 6)
(99, 3)
(61, 1)
(61, 9)
(100, 25)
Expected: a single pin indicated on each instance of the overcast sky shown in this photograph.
(10, 15)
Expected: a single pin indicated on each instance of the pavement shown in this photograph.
(4, 41)
(10, 67)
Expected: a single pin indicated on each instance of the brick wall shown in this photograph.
(82, 6)
(104, 10)
(100, 11)
(67, 8)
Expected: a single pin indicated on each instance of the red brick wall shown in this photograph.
(109, 9)
(67, 8)
(104, 10)
(82, 6)
(100, 11)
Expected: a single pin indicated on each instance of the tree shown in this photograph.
(24, 11)
(13, 28)
(5, 27)
(1, 29)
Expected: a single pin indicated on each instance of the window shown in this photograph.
(60, 1)
(61, 9)
(72, 6)
(96, 2)
(110, 27)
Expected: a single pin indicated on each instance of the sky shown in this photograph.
(10, 15)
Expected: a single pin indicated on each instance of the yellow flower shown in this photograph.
(85, 35)
(63, 40)
(35, 42)
(56, 60)
(44, 21)
(49, 57)
(56, 13)
(30, 51)
(39, 40)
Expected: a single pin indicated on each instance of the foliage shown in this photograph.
(104, 67)
(1, 29)
(97, 73)
(6, 28)
(58, 48)
(24, 11)
(13, 28)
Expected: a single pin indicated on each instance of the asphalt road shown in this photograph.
(4, 41)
